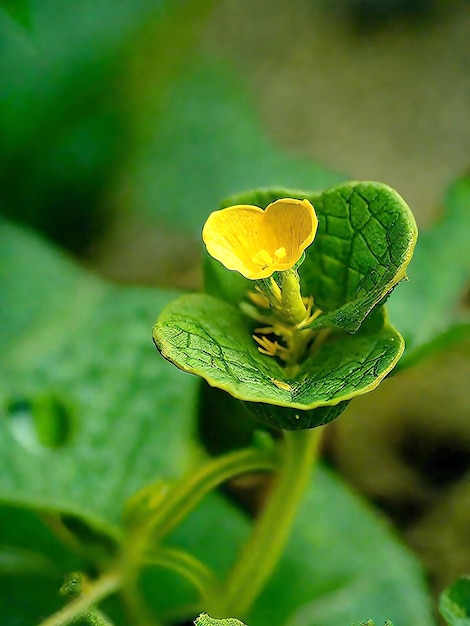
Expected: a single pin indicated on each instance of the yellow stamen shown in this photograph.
(259, 299)
(263, 259)
(271, 348)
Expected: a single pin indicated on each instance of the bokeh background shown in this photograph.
(124, 123)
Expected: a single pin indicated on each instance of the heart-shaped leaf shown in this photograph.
(211, 338)
(365, 240)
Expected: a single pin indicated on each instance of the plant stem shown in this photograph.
(195, 571)
(94, 617)
(191, 489)
(261, 552)
(181, 500)
(293, 308)
(95, 592)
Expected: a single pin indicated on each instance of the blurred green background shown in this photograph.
(124, 123)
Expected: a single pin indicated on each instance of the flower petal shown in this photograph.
(257, 243)
(292, 224)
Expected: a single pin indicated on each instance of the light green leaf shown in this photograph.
(454, 603)
(88, 414)
(428, 311)
(342, 564)
(212, 339)
(365, 240)
(206, 620)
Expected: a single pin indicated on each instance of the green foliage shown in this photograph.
(19, 10)
(428, 311)
(341, 564)
(365, 239)
(206, 620)
(93, 426)
(82, 347)
(33, 563)
(211, 338)
(132, 424)
(454, 603)
(64, 118)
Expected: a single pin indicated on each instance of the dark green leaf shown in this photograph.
(428, 310)
(212, 339)
(454, 603)
(32, 566)
(19, 10)
(365, 240)
(88, 414)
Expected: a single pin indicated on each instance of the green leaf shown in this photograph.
(428, 310)
(213, 531)
(206, 620)
(454, 603)
(365, 240)
(212, 339)
(32, 566)
(88, 414)
(342, 564)
(19, 10)
(62, 119)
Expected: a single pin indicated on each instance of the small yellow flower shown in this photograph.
(258, 243)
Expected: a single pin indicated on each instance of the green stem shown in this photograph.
(191, 489)
(261, 552)
(293, 308)
(194, 570)
(180, 501)
(94, 617)
(95, 592)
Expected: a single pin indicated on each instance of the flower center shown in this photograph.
(264, 259)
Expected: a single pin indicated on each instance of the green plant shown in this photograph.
(153, 530)
(107, 481)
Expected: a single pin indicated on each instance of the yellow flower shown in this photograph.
(258, 243)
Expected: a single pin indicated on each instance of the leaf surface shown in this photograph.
(429, 309)
(19, 10)
(78, 352)
(342, 564)
(454, 603)
(365, 240)
(210, 338)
